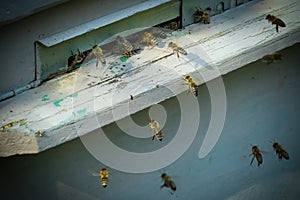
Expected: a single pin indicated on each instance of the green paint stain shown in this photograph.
(45, 98)
(57, 103)
(73, 95)
(81, 112)
(115, 64)
(123, 59)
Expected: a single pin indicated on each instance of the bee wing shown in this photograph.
(94, 173)
(285, 154)
(252, 160)
(264, 152)
(279, 22)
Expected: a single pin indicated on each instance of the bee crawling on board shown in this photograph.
(201, 16)
(274, 20)
(256, 154)
(103, 174)
(280, 151)
(173, 25)
(177, 49)
(168, 182)
(11, 124)
(98, 53)
(75, 60)
(127, 48)
(40, 133)
(154, 125)
(271, 58)
(150, 39)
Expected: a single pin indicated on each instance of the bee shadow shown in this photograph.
(199, 61)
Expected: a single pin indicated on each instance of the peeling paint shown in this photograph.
(45, 98)
(82, 111)
(123, 59)
(73, 95)
(57, 103)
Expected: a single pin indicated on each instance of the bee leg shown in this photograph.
(153, 137)
(177, 54)
(97, 62)
(277, 27)
(252, 160)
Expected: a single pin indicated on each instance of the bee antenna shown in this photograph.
(270, 141)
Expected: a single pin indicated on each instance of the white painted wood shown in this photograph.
(232, 40)
(100, 22)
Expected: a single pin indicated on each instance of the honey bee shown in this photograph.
(271, 58)
(192, 85)
(174, 25)
(11, 124)
(127, 48)
(150, 39)
(168, 182)
(104, 177)
(177, 49)
(280, 151)
(103, 174)
(75, 59)
(97, 51)
(274, 20)
(201, 16)
(40, 133)
(154, 125)
(256, 154)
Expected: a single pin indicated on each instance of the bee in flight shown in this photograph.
(11, 124)
(127, 48)
(256, 154)
(177, 49)
(150, 39)
(274, 20)
(201, 16)
(97, 51)
(103, 174)
(280, 151)
(271, 58)
(192, 85)
(154, 125)
(168, 182)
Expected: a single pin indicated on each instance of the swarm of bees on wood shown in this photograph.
(128, 49)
